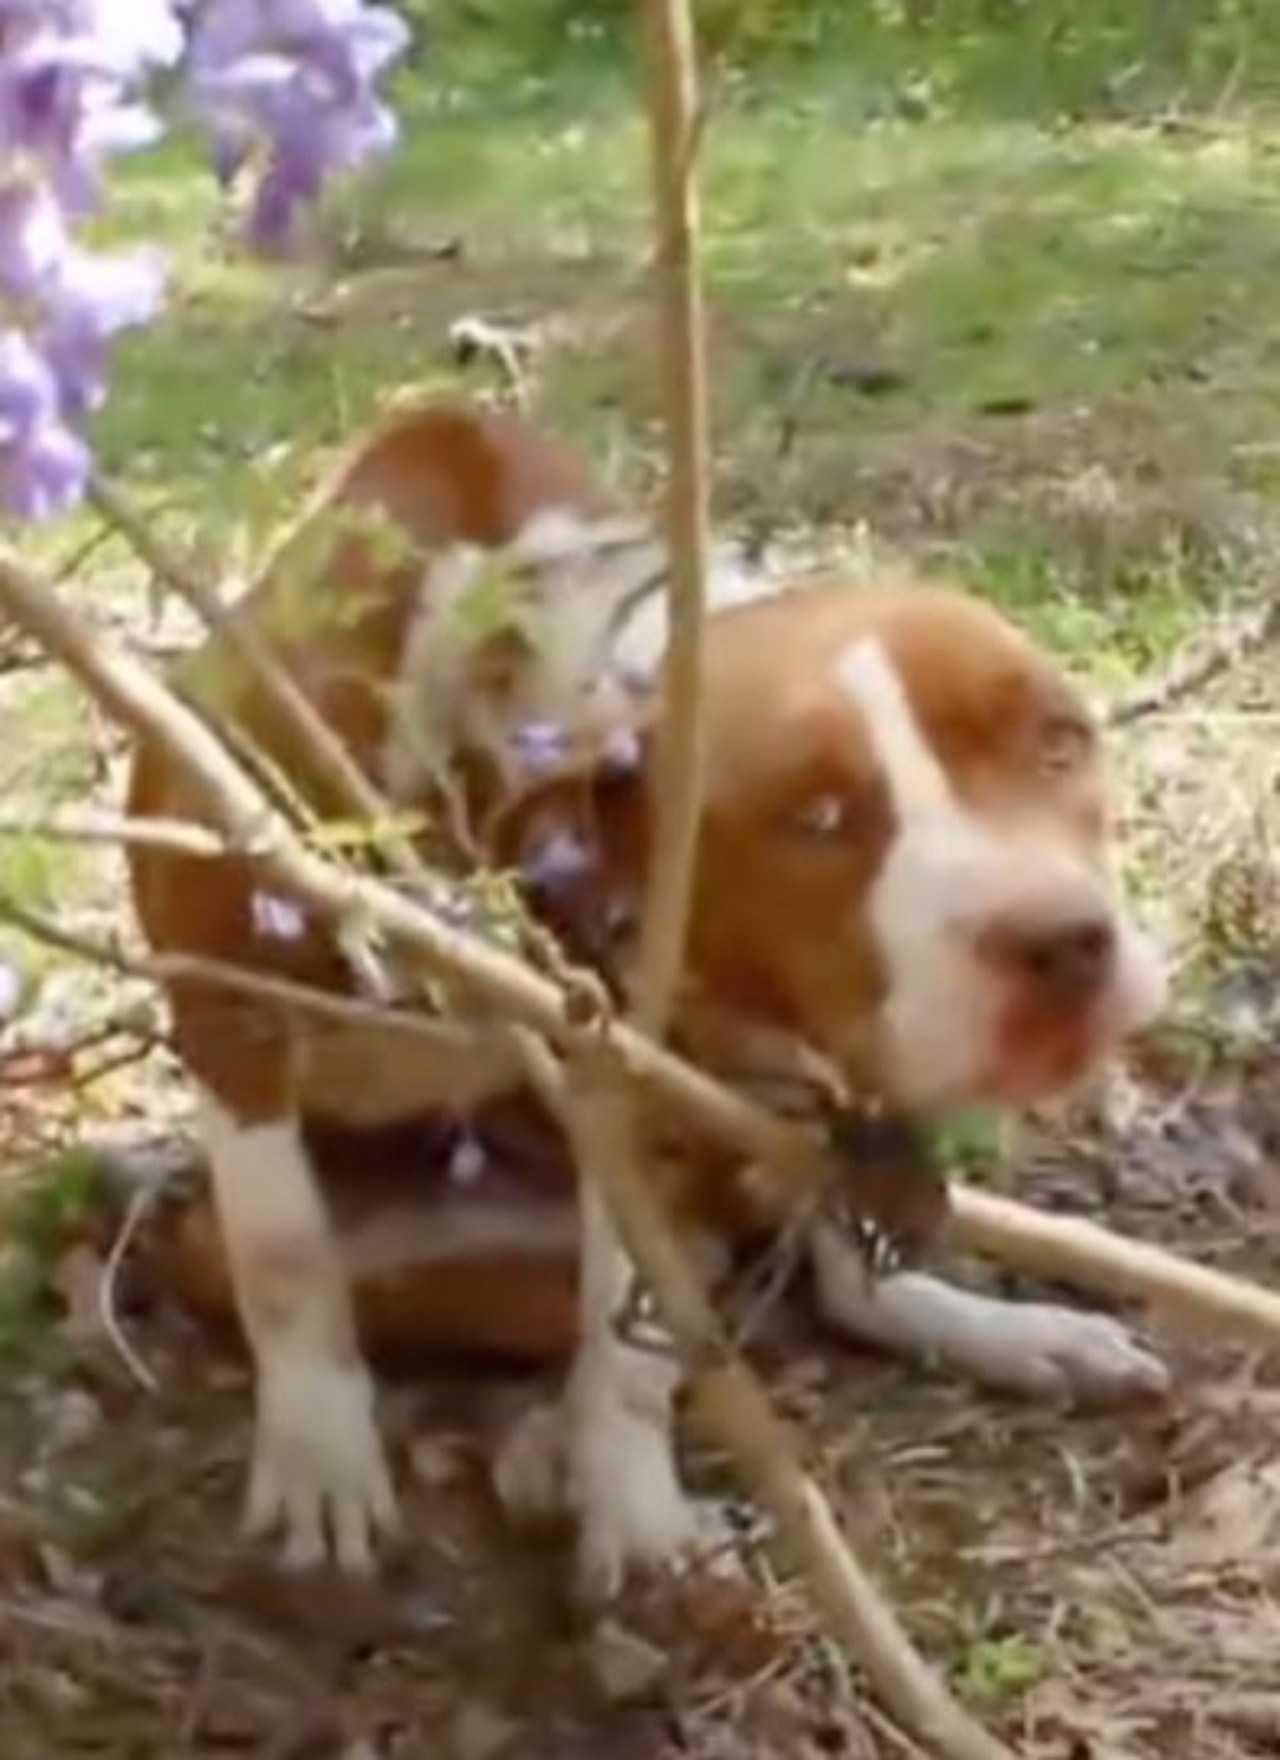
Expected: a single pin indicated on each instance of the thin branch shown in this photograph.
(674, 130)
(730, 1404)
(601, 1111)
(1199, 664)
(141, 1203)
(340, 772)
(170, 968)
(176, 836)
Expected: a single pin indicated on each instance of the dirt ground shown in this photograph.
(1096, 1584)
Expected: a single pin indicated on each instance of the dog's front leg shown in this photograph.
(607, 1452)
(1037, 1349)
(319, 1472)
(622, 1478)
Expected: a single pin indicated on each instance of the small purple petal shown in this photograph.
(621, 756)
(540, 746)
(289, 184)
(298, 77)
(28, 394)
(557, 861)
(119, 128)
(277, 919)
(135, 34)
(96, 296)
(467, 1160)
(43, 473)
(33, 237)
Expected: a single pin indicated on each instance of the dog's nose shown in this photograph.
(1067, 959)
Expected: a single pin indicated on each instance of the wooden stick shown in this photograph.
(673, 123)
(1072, 1250)
(178, 836)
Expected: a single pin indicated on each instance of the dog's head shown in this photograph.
(903, 856)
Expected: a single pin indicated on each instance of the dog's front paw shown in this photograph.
(319, 1471)
(1052, 1352)
(632, 1512)
(612, 1470)
(530, 1473)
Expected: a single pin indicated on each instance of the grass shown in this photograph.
(1065, 305)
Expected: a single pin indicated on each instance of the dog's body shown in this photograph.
(900, 873)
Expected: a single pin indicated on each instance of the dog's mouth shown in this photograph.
(1040, 1054)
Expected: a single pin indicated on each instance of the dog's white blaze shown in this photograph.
(937, 1013)
(918, 785)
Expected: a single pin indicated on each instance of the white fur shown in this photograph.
(575, 577)
(593, 590)
(945, 876)
(607, 1452)
(319, 1471)
(442, 1234)
(1031, 1348)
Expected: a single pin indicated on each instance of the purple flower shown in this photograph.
(467, 1160)
(276, 918)
(69, 73)
(290, 84)
(45, 474)
(93, 299)
(68, 70)
(43, 466)
(33, 237)
(556, 862)
(540, 746)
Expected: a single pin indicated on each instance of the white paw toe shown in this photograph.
(319, 1472)
(633, 1514)
(1087, 1357)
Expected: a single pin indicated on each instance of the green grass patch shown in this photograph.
(1023, 238)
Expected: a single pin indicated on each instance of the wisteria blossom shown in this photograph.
(287, 90)
(71, 73)
(288, 87)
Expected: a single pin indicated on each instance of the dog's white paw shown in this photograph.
(633, 1514)
(319, 1471)
(530, 1473)
(1049, 1352)
(612, 1468)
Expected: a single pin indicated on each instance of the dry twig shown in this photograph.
(1199, 664)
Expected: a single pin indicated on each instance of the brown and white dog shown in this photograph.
(902, 871)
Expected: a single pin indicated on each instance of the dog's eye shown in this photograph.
(824, 816)
(1065, 743)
